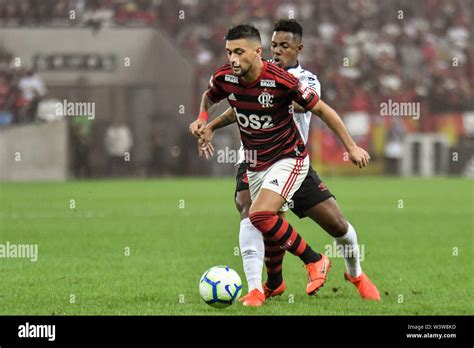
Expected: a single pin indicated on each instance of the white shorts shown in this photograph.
(283, 177)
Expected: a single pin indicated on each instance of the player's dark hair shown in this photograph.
(243, 31)
(289, 26)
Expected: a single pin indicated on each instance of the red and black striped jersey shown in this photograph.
(264, 111)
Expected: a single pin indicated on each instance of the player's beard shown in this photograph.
(244, 72)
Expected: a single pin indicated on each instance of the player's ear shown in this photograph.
(300, 47)
(258, 52)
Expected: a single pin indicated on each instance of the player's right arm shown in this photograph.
(226, 118)
(213, 95)
(197, 127)
(205, 147)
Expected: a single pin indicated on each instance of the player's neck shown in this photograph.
(292, 65)
(254, 73)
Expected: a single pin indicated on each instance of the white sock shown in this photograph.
(350, 251)
(252, 250)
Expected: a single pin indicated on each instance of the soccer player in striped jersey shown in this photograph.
(312, 199)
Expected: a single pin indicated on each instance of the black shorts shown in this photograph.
(311, 192)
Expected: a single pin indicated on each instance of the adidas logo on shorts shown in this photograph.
(274, 182)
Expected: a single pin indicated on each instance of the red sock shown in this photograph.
(273, 263)
(280, 231)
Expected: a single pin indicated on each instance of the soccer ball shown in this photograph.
(220, 286)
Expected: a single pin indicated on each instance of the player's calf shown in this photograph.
(273, 263)
(251, 243)
(270, 190)
(328, 215)
(287, 238)
(252, 250)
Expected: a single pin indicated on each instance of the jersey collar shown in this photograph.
(291, 67)
(294, 66)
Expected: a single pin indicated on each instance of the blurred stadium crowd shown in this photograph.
(364, 52)
(20, 92)
(403, 50)
(360, 60)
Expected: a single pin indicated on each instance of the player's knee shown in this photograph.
(338, 226)
(243, 209)
(263, 220)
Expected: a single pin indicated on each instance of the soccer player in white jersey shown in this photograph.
(312, 199)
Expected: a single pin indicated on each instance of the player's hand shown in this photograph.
(206, 135)
(205, 149)
(359, 156)
(197, 127)
(205, 146)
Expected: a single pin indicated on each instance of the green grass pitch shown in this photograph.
(140, 247)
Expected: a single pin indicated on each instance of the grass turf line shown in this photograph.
(177, 228)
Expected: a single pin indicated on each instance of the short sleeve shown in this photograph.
(310, 80)
(215, 91)
(304, 95)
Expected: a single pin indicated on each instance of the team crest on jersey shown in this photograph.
(266, 100)
(267, 83)
(231, 78)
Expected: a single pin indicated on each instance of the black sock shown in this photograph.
(274, 280)
(309, 255)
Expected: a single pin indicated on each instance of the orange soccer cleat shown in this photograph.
(317, 274)
(254, 298)
(367, 289)
(274, 292)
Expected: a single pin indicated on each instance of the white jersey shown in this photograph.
(302, 120)
(307, 79)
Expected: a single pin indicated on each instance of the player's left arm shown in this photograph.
(308, 80)
(357, 155)
(308, 97)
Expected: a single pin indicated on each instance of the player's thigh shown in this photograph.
(243, 202)
(267, 200)
(328, 215)
(270, 190)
